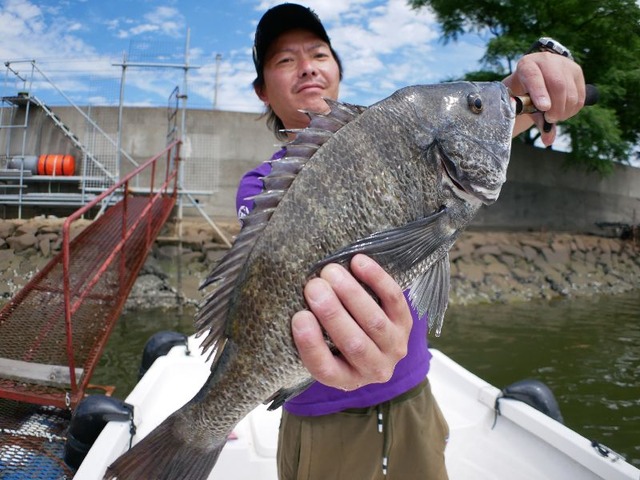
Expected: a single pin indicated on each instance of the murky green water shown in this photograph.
(586, 350)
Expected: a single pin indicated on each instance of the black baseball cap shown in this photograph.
(277, 21)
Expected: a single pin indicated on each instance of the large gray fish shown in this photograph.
(397, 181)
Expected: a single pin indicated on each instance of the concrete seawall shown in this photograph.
(485, 266)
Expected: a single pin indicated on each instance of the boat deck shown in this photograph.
(521, 443)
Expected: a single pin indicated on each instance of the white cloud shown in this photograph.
(26, 34)
(139, 30)
(165, 21)
(235, 77)
(168, 19)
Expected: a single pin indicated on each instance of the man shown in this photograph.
(370, 415)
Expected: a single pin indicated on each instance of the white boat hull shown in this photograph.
(520, 444)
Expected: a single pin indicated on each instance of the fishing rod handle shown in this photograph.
(525, 105)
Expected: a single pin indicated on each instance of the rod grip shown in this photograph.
(525, 105)
(592, 94)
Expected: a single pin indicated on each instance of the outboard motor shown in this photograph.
(88, 420)
(535, 394)
(158, 345)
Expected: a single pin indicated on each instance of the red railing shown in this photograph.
(67, 311)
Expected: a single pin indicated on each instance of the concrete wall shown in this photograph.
(541, 194)
(221, 146)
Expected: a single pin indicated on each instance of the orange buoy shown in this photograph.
(56, 165)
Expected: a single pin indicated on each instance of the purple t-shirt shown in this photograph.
(320, 399)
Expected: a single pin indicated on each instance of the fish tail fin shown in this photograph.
(161, 455)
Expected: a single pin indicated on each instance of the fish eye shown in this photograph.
(475, 102)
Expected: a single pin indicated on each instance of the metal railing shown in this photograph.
(66, 313)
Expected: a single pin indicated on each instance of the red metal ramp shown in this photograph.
(53, 331)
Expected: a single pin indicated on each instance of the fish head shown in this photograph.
(470, 127)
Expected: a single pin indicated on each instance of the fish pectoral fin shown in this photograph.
(277, 399)
(397, 249)
(429, 293)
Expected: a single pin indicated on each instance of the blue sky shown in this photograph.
(384, 45)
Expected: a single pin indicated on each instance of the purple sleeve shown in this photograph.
(251, 185)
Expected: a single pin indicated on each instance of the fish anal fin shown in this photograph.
(429, 293)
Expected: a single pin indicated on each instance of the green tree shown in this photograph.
(604, 38)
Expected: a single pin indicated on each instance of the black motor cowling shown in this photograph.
(158, 345)
(535, 394)
(88, 420)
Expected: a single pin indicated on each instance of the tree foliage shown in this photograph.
(602, 35)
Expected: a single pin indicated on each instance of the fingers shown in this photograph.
(556, 87)
(539, 85)
(314, 352)
(397, 318)
(371, 337)
(547, 129)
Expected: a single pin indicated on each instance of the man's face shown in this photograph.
(299, 70)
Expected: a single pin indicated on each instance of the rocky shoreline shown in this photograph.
(485, 266)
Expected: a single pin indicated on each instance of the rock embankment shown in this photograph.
(485, 266)
(514, 266)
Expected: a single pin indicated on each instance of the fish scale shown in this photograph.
(397, 181)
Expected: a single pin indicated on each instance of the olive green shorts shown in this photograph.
(403, 439)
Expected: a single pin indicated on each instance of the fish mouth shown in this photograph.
(461, 186)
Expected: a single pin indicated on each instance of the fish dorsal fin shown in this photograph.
(212, 315)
